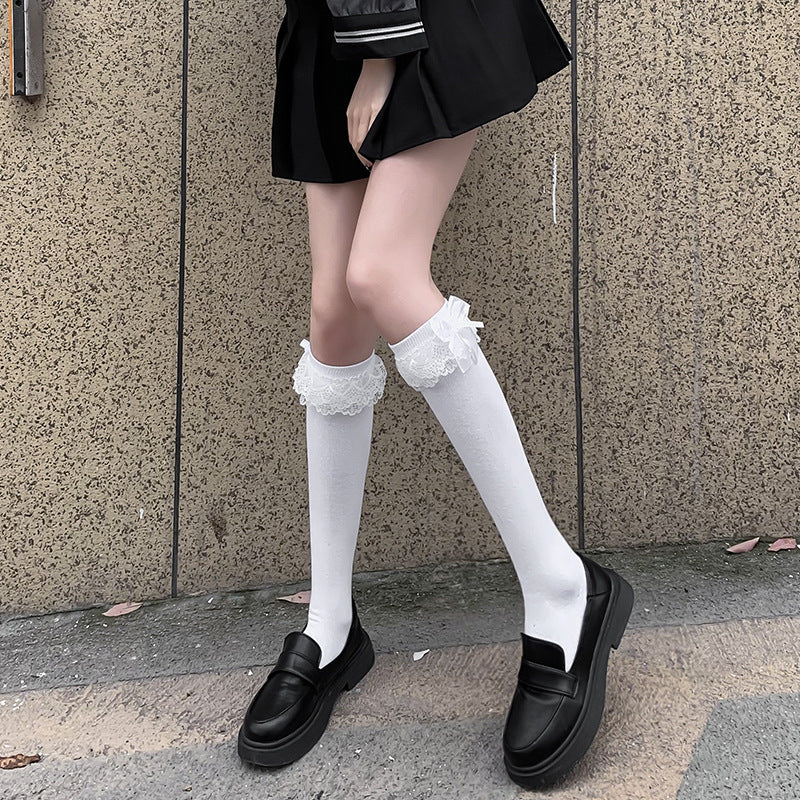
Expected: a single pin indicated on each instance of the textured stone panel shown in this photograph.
(689, 214)
(244, 518)
(90, 183)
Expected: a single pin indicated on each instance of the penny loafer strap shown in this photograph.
(296, 664)
(548, 679)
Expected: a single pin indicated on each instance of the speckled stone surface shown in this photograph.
(688, 304)
(689, 293)
(88, 279)
(244, 518)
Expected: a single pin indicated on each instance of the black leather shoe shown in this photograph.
(554, 715)
(290, 712)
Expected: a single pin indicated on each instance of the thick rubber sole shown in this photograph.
(296, 745)
(560, 763)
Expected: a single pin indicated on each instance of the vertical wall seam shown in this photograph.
(181, 283)
(576, 338)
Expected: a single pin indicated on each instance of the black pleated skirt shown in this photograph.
(485, 59)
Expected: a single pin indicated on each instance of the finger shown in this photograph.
(363, 129)
(355, 136)
(351, 128)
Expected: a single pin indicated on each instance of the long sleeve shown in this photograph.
(376, 28)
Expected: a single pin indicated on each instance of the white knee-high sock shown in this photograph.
(442, 360)
(339, 404)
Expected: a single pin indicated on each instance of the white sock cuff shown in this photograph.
(332, 388)
(446, 341)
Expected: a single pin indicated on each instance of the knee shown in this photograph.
(343, 374)
(364, 280)
(341, 333)
(329, 319)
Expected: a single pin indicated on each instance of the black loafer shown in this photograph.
(290, 712)
(555, 714)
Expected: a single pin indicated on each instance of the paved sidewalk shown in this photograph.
(703, 694)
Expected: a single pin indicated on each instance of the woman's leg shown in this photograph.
(340, 332)
(338, 378)
(436, 352)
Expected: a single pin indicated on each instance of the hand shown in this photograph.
(369, 95)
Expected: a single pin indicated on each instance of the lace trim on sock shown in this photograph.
(423, 359)
(333, 389)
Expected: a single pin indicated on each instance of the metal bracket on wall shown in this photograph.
(25, 45)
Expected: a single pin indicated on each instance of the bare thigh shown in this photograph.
(405, 201)
(340, 333)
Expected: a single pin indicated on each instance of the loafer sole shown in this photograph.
(298, 743)
(560, 763)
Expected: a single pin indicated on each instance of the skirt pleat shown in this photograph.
(485, 59)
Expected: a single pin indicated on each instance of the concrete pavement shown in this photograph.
(703, 694)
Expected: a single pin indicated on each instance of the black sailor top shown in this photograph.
(376, 28)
